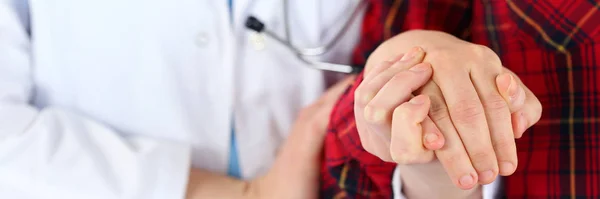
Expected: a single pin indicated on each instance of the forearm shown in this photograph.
(431, 181)
(205, 184)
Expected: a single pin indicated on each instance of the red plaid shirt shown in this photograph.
(551, 45)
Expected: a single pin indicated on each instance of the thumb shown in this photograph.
(524, 106)
(333, 93)
(511, 91)
(325, 104)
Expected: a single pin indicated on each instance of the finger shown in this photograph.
(378, 112)
(511, 91)
(499, 122)
(528, 115)
(432, 137)
(381, 146)
(468, 116)
(318, 112)
(382, 67)
(396, 91)
(332, 94)
(370, 86)
(529, 112)
(452, 155)
(311, 124)
(406, 143)
(369, 144)
(305, 142)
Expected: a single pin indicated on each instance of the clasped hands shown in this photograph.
(447, 100)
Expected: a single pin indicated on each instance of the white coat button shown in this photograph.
(202, 39)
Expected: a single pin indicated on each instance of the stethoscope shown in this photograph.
(302, 53)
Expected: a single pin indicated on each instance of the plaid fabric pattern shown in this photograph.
(553, 46)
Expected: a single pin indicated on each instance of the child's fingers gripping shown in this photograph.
(407, 134)
(432, 136)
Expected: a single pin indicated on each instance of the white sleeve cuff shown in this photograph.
(173, 173)
(397, 185)
(489, 190)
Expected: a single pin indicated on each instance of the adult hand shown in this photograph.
(295, 173)
(472, 98)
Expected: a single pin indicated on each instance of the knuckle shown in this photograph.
(486, 54)
(360, 93)
(401, 113)
(495, 103)
(451, 159)
(481, 158)
(375, 115)
(482, 51)
(465, 112)
(503, 145)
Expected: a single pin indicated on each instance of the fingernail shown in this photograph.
(466, 180)
(420, 67)
(418, 100)
(512, 89)
(506, 168)
(431, 137)
(486, 175)
(411, 54)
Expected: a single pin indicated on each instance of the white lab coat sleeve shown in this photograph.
(54, 153)
(490, 191)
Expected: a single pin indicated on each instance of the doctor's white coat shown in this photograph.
(118, 98)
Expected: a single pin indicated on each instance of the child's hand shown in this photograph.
(400, 76)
